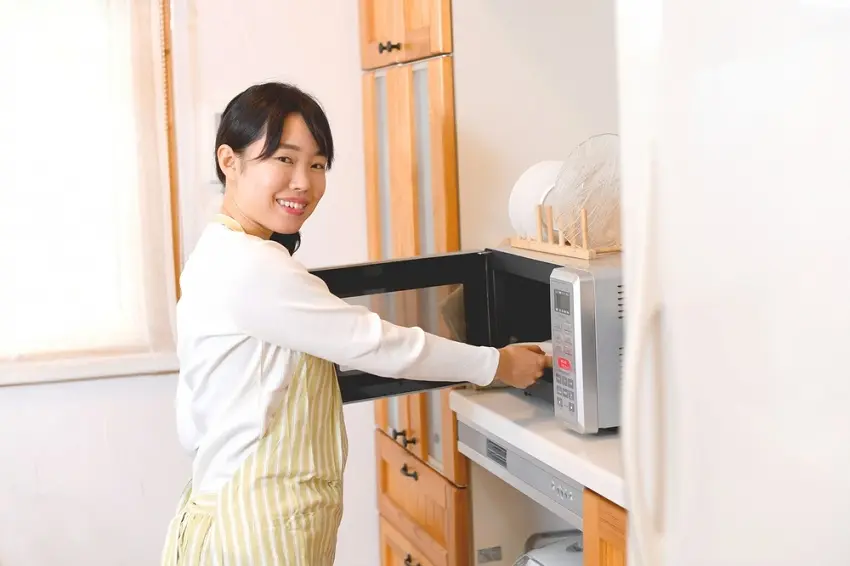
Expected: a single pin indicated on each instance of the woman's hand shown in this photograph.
(521, 365)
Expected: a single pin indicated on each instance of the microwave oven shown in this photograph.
(495, 297)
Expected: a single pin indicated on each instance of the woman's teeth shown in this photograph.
(295, 205)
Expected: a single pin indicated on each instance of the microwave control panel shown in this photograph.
(563, 350)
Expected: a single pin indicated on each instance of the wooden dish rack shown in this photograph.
(561, 247)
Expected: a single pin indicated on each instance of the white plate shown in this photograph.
(530, 190)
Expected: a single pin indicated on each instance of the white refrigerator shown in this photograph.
(735, 125)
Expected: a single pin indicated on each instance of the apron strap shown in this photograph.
(228, 222)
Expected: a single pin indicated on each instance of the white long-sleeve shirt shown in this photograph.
(246, 304)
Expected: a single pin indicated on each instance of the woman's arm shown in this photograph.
(274, 298)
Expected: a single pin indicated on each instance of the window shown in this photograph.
(87, 282)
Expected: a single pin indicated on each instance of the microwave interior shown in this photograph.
(521, 313)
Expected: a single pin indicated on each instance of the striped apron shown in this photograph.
(284, 504)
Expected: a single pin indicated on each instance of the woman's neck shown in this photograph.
(231, 209)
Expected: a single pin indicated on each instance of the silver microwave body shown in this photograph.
(587, 315)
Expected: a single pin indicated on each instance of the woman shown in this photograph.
(258, 402)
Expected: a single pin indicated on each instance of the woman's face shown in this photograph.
(279, 193)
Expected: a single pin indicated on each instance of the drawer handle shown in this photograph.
(388, 47)
(408, 561)
(406, 472)
(403, 434)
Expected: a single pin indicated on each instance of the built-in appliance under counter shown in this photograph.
(519, 439)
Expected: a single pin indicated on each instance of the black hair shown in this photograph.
(259, 111)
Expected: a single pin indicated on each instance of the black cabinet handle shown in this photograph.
(403, 434)
(388, 47)
(408, 561)
(405, 471)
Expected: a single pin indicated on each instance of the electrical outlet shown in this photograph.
(492, 554)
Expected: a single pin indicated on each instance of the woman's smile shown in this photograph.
(293, 206)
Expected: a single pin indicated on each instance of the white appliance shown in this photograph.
(736, 210)
(568, 551)
(587, 312)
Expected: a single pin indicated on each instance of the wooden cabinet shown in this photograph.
(424, 425)
(430, 512)
(410, 159)
(412, 209)
(399, 31)
(397, 550)
(605, 527)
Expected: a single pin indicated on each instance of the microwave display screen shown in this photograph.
(562, 302)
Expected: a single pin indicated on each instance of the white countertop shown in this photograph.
(529, 424)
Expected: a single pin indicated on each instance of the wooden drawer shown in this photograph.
(396, 550)
(428, 511)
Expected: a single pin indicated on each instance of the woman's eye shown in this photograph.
(284, 159)
(320, 166)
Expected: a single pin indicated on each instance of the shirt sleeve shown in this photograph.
(274, 298)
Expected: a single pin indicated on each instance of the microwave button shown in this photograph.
(560, 402)
(571, 383)
(572, 407)
(564, 364)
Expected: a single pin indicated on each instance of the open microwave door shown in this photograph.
(445, 294)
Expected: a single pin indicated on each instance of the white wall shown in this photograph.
(532, 80)
(90, 472)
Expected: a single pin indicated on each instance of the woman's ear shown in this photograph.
(226, 160)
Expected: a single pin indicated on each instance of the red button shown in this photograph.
(564, 363)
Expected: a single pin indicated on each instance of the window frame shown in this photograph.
(102, 365)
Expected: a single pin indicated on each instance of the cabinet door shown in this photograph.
(400, 31)
(604, 528)
(412, 202)
(427, 28)
(381, 32)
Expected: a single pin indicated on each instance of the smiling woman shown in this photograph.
(272, 150)
(259, 404)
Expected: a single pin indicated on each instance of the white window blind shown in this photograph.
(86, 254)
